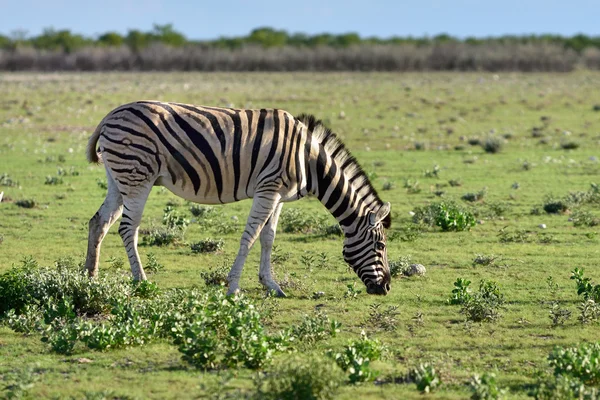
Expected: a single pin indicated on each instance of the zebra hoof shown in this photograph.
(277, 293)
(233, 292)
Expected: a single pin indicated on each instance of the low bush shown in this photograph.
(474, 196)
(399, 265)
(485, 305)
(356, 357)
(6, 180)
(299, 378)
(26, 203)
(581, 362)
(461, 293)
(207, 246)
(314, 328)
(585, 287)
(447, 215)
(492, 144)
(425, 377)
(485, 387)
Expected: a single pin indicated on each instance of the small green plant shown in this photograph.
(400, 265)
(299, 378)
(53, 180)
(216, 276)
(472, 197)
(26, 203)
(6, 180)
(585, 287)
(485, 387)
(461, 293)
(584, 218)
(425, 377)
(433, 173)
(315, 328)
(411, 186)
(554, 205)
(116, 263)
(202, 211)
(569, 145)
(173, 220)
(152, 265)
(517, 236)
(406, 233)
(351, 292)
(581, 362)
(492, 144)
(384, 319)
(207, 246)
(486, 304)
(356, 357)
(589, 311)
(102, 184)
(485, 259)
(294, 220)
(388, 185)
(455, 182)
(446, 215)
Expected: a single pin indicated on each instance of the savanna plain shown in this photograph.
(491, 177)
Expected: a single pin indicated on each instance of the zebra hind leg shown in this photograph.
(133, 205)
(267, 236)
(263, 206)
(100, 223)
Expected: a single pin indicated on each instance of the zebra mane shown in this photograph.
(334, 146)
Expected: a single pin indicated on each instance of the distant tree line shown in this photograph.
(267, 49)
(65, 40)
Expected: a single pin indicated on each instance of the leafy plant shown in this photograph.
(299, 378)
(207, 246)
(400, 265)
(351, 291)
(461, 293)
(492, 144)
(485, 304)
(584, 218)
(153, 265)
(585, 287)
(476, 196)
(356, 357)
(589, 311)
(426, 377)
(53, 180)
(581, 362)
(26, 203)
(485, 259)
(6, 180)
(485, 387)
(216, 276)
(385, 319)
(314, 328)
(446, 215)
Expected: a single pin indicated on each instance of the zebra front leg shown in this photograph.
(100, 223)
(267, 236)
(263, 206)
(133, 204)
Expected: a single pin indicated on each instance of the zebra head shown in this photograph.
(365, 250)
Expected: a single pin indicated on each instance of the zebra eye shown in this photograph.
(380, 246)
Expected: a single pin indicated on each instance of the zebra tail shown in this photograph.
(92, 155)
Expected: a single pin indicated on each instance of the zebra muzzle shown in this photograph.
(373, 288)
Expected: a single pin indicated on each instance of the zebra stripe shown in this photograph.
(216, 155)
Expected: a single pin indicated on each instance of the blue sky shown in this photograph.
(382, 18)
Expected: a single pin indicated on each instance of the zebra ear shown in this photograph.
(380, 215)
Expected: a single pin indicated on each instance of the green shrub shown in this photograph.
(173, 220)
(216, 276)
(202, 211)
(584, 218)
(28, 321)
(553, 205)
(589, 311)
(472, 197)
(207, 246)
(485, 304)
(492, 144)
(446, 215)
(153, 266)
(563, 388)
(26, 203)
(294, 220)
(384, 319)
(6, 180)
(425, 377)
(585, 287)
(299, 378)
(485, 387)
(315, 328)
(53, 180)
(356, 357)
(399, 265)
(581, 362)
(461, 293)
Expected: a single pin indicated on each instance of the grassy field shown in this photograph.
(413, 133)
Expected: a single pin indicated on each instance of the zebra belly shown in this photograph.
(202, 197)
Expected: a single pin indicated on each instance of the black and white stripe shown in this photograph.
(221, 155)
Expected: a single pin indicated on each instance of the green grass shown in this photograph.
(45, 121)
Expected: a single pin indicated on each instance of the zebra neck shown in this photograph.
(335, 191)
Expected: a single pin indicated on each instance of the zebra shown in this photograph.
(214, 155)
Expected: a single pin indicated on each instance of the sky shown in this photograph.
(202, 20)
